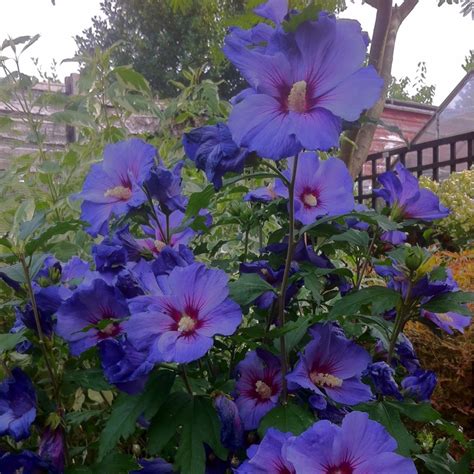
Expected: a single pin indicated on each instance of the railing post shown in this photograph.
(374, 179)
(452, 157)
(435, 163)
(360, 189)
(419, 163)
(470, 157)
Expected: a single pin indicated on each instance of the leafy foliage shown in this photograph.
(416, 91)
(457, 193)
(176, 416)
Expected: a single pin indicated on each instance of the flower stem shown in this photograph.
(286, 276)
(246, 243)
(165, 235)
(277, 171)
(42, 338)
(186, 380)
(403, 315)
(361, 273)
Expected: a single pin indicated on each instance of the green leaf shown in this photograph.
(64, 250)
(78, 417)
(31, 42)
(248, 287)
(389, 417)
(126, 410)
(422, 412)
(437, 463)
(9, 341)
(200, 200)
(380, 297)
(288, 418)
(242, 177)
(59, 228)
(6, 243)
(117, 463)
(74, 118)
(315, 284)
(5, 123)
(15, 272)
(167, 421)
(202, 426)
(353, 237)
(132, 79)
(294, 336)
(450, 302)
(36, 263)
(309, 13)
(87, 378)
(27, 228)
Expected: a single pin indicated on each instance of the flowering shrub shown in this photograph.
(170, 344)
(456, 192)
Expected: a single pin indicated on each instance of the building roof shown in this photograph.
(454, 116)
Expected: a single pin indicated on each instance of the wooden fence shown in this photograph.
(436, 159)
(16, 140)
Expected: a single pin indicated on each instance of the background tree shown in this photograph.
(162, 38)
(416, 91)
(469, 61)
(389, 18)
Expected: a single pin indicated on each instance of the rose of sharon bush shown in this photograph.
(180, 325)
(153, 316)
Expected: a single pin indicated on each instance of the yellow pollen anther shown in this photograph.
(264, 272)
(109, 330)
(120, 192)
(297, 97)
(310, 200)
(159, 245)
(186, 324)
(325, 380)
(263, 389)
(445, 317)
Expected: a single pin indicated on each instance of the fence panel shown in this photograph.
(436, 158)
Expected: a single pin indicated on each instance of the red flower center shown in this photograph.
(111, 330)
(344, 468)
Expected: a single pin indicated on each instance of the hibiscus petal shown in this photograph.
(353, 95)
(318, 129)
(222, 320)
(176, 347)
(331, 49)
(259, 124)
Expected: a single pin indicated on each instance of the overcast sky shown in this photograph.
(439, 36)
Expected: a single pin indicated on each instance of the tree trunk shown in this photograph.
(388, 21)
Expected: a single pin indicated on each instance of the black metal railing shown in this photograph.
(436, 159)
